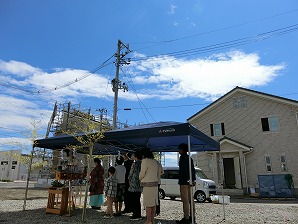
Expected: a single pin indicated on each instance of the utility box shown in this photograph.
(223, 199)
(275, 186)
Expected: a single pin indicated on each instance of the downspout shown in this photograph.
(244, 160)
(222, 184)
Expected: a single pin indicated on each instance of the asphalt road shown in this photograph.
(17, 184)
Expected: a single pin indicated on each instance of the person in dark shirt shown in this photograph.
(135, 189)
(185, 182)
(127, 163)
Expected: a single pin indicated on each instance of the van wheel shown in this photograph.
(200, 196)
(173, 197)
(161, 193)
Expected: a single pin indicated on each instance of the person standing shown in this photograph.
(157, 211)
(120, 176)
(96, 185)
(150, 177)
(127, 163)
(110, 189)
(186, 183)
(135, 188)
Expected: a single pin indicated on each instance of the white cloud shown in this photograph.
(171, 159)
(19, 109)
(172, 9)
(192, 25)
(93, 85)
(25, 77)
(206, 78)
(17, 68)
(13, 141)
(17, 114)
(164, 78)
(175, 23)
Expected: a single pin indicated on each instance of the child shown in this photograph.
(110, 190)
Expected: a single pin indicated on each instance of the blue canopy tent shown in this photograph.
(159, 137)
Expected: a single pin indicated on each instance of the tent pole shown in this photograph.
(87, 180)
(222, 185)
(28, 178)
(191, 181)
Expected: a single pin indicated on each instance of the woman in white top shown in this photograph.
(120, 176)
(150, 177)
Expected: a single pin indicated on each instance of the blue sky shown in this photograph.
(185, 54)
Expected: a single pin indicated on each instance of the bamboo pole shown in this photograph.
(28, 178)
(87, 180)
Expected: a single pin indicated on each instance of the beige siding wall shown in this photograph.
(244, 125)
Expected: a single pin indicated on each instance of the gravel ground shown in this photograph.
(238, 211)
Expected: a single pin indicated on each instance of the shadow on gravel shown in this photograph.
(92, 216)
(265, 200)
(252, 200)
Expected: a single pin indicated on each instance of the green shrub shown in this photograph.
(56, 183)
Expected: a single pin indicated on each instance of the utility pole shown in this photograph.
(116, 83)
(102, 111)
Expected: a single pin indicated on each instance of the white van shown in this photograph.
(169, 185)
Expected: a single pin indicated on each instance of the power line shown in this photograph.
(104, 64)
(227, 44)
(184, 105)
(157, 43)
(171, 106)
(139, 100)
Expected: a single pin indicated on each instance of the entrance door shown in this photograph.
(229, 173)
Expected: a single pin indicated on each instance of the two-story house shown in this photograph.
(258, 135)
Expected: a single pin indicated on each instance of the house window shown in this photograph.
(270, 123)
(235, 103)
(217, 129)
(4, 162)
(239, 103)
(14, 162)
(283, 163)
(243, 102)
(13, 167)
(268, 164)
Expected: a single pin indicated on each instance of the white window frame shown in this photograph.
(268, 164)
(217, 129)
(271, 120)
(283, 164)
(235, 103)
(243, 102)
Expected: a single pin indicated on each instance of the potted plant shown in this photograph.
(56, 184)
